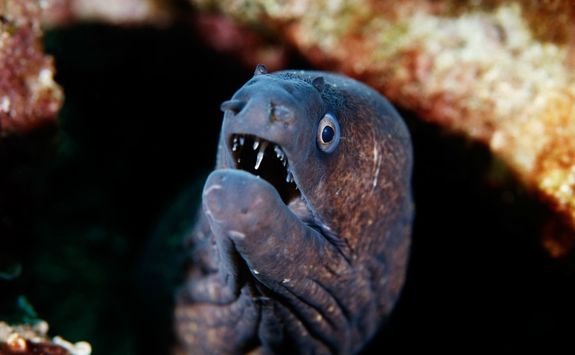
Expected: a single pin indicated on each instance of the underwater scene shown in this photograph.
(150, 203)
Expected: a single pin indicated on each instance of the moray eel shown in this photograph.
(301, 244)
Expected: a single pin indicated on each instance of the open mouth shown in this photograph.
(266, 160)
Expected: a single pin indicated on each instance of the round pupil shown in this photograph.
(327, 134)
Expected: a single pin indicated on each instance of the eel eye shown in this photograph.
(328, 133)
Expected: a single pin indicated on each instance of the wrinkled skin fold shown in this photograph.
(312, 264)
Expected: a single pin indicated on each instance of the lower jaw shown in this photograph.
(299, 207)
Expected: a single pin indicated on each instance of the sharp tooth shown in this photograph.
(279, 152)
(260, 155)
(289, 177)
(235, 146)
(259, 159)
(256, 144)
(242, 139)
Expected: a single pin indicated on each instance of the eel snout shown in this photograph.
(237, 199)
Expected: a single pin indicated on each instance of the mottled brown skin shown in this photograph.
(268, 278)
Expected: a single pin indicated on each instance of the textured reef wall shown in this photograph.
(29, 97)
(60, 12)
(33, 339)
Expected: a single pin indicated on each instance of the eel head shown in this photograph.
(309, 208)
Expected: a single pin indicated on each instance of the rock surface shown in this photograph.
(29, 97)
(61, 12)
(32, 339)
(500, 72)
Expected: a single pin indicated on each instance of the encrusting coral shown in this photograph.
(32, 339)
(59, 12)
(29, 97)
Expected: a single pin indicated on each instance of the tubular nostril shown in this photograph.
(234, 106)
(281, 113)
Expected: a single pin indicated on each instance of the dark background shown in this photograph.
(91, 212)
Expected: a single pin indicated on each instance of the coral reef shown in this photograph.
(32, 339)
(29, 97)
(500, 72)
(230, 38)
(223, 34)
(60, 12)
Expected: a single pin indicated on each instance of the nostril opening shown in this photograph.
(235, 106)
(281, 113)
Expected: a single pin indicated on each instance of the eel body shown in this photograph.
(302, 241)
